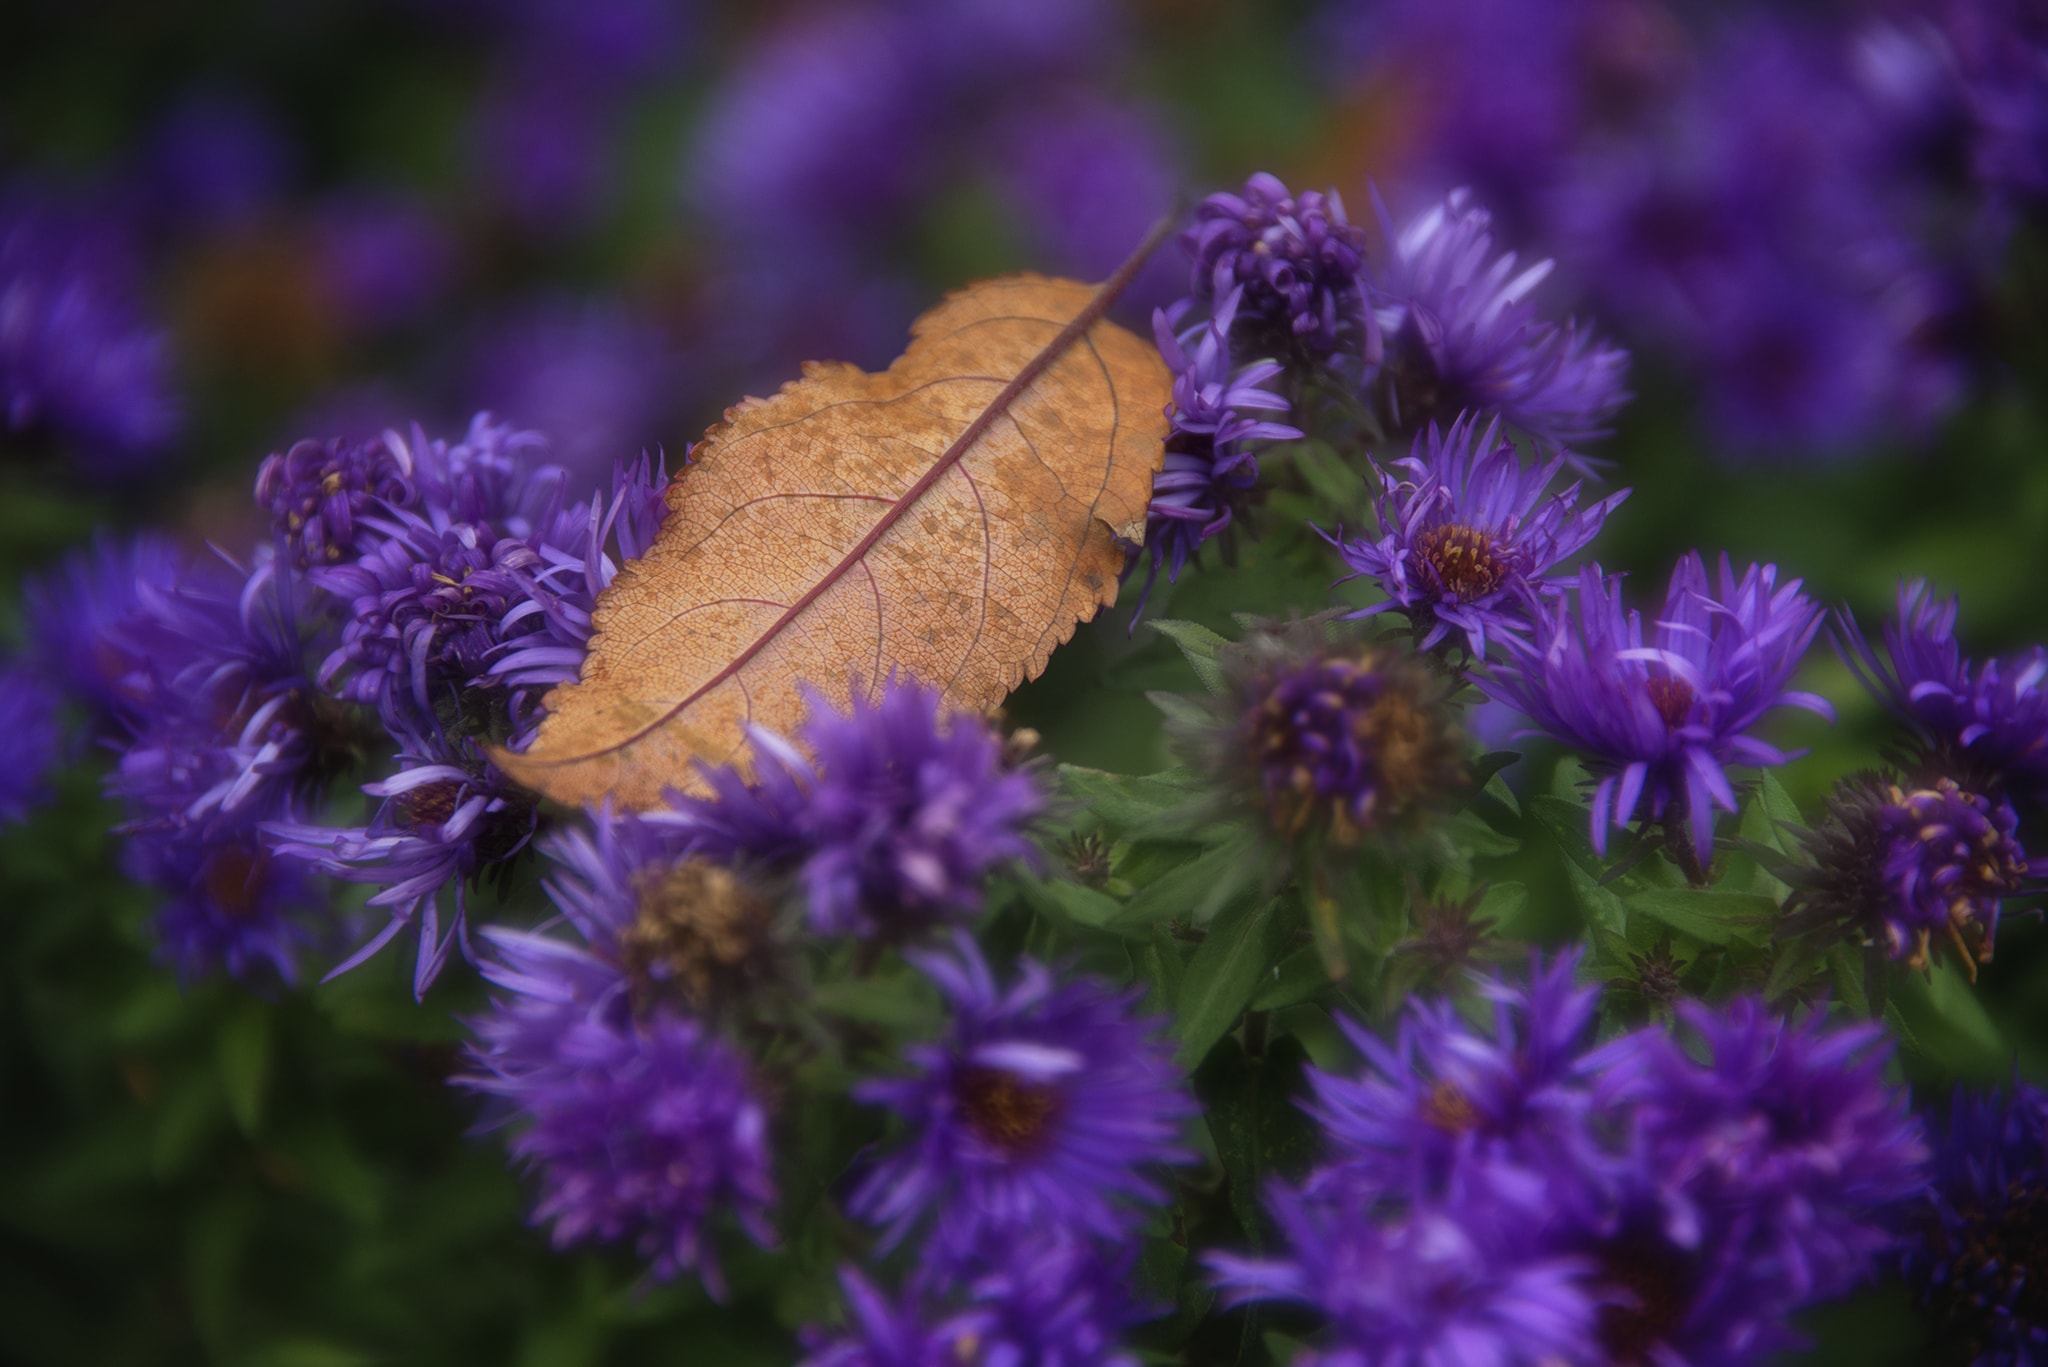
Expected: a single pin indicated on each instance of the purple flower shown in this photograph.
(384, 260)
(1951, 860)
(903, 813)
(1974, 1262)
(318, 494)
(1784, 1150)
(545, 638)
(597, 377)
(1041, 1109)
(230, 905)
(429, 596)
(1660, 722)
(886, 1334)
(447, 818)
(640, 1126)
(1208, 469)
(1330, 739)
(1897, 867)
(1295, 262)
(1449, 1110)
(76, 611)
(78, 363)
(31, 741)
(1465, 1284)
(1462, 335)
(1086, 178)
(1985, 725)
(1468, 539)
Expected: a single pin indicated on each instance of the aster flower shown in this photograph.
(76, 613)
(1468, 538)
(1327, 737)
(893, 825)
(1040, 1109)
(31, 741)
(1985, 725)
(1974, 1261)
(1783, 1149)
(639, 1126)
(1897, 868)
(1208, 470)
(428, 603)
(1449, 1110)
(545, 637)
(1050, 1299)
(1660, 722)
(447, 818)
(679, 927)
(78, 362)
(883, 1333)
(1462, 334)
(230, 905)
(1296, 261)
(1431, 1285)
(318, 493)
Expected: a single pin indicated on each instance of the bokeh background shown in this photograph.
(1818, 228)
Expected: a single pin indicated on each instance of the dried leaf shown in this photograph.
(951, 519)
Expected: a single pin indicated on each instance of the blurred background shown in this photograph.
(224, 226)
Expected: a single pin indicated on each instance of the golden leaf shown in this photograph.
(950, 519)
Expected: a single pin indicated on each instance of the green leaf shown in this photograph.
(1258, 1130)
(1200, 645)
(1179, 708)
(1129, 801)
(1159, 966)
(1084, 906)
(242, 1053)
(1226, 971)
(1294, 979)
(1198, 889)
(892, 1003)
(1708, 915)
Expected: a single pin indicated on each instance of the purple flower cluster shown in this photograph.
(1031, 1129)
(1975, 1258)
(1513, 1195)
(1469, 536)
(79, 365)
(1295, 262)
(1461, 335)
(31, 741)
(1985, 726)
(1210, 469)
(889, 828)
(1660, 719)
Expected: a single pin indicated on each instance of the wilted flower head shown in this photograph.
(1462, 335)
(1464, 1284)
(1984, 725)
(1468, 537)
(1294, 259)
(1041, 1108)
(1327, 736)
(1209, 468)
(890, 828)
(1660, 720)
(640, 1128)
(1912, 869)
(1974, 1261)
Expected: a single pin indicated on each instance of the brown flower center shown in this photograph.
(235, 878)
(1672, 697)
(1461, 559)
(1450, 1110)
(1009, 1113)
(696, 928)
